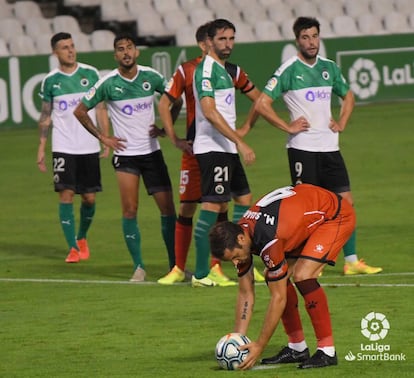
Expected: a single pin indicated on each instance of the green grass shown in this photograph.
(86, 320)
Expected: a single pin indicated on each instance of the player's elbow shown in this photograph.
(260, 105)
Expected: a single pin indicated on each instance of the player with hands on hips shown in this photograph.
(307, 82)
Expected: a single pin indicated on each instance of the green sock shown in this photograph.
(168, 234)
(350, 245)
(67, 222)
(205, 222)
(132, 239)
(238, 212)
(86, 216)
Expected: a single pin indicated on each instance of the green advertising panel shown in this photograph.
(379, 68)
(379, 74)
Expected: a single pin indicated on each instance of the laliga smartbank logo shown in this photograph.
(375, 327)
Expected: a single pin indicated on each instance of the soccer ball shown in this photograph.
(228, 355)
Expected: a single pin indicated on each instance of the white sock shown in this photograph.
(298, 347)
(351, 258)
(330, 351)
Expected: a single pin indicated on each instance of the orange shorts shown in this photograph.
(190, 180)
(333, 234)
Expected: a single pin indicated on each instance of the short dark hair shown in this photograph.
(59, 37)
(222, 236)
(201, 33)
(217, 24)
(124, 35)
(303, 23)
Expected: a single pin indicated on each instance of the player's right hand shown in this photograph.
(41, 161)
(184, 145)
(298, 125)
(114, 142)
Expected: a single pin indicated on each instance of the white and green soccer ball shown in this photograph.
(228, 354)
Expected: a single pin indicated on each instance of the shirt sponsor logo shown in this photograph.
(320, 95)
(229, 99)
(206, 85)
(137, 108)
(65, 105)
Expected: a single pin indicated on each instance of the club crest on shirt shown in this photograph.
(325, 75)
(84, 82)
(146, 86)
(319, 248)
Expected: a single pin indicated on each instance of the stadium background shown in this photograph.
(378, 62)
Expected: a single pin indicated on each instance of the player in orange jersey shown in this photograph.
(296, 231)
(190, 179)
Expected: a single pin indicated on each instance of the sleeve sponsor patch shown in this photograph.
(169, 85)
(271, 84)
(89, 95)
(206, 85)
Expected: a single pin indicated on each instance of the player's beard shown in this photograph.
(127, 66)
(309, 56)
(223, 55)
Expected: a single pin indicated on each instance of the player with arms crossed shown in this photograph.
(129, 92)
(76, 167)
(296, 231)
(190, 185)
(307, 82)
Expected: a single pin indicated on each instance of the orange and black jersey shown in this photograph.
(182, 82)
(282, 221)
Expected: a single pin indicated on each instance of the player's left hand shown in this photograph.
(247, 153)
(156, 132)
(335, 126)
(255, 351)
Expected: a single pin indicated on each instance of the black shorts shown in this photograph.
(80, 173)
(325, 169)
(222, 177)
(151, 167)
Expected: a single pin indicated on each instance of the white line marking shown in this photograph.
(265, 367)
(149, 283)
(371, 275)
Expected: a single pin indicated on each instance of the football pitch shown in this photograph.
(88, 320)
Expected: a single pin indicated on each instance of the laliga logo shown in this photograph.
(375, 326)
(364, 78)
